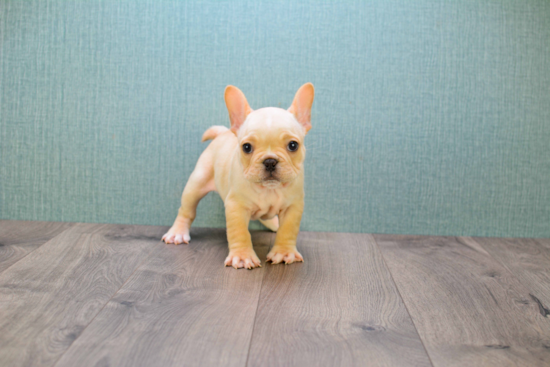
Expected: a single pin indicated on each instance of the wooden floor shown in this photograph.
(114, 295)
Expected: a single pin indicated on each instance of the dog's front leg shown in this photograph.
(241, 253)
(285, 242)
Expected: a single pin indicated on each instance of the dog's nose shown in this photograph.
(270, 164)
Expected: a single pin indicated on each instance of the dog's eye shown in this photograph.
(292, 146)
(247, 148)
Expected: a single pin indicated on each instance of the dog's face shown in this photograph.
(271, 147)
(271, 140)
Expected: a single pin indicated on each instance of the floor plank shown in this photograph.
(338, 308)
(18, 238)
(182, 307)
(50, 296)
(469, 310)
(529, 260)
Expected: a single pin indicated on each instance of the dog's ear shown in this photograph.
(237, 105)
(301, 106)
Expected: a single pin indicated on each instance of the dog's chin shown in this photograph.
(271, 183)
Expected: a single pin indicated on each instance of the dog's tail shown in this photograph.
(213, 132)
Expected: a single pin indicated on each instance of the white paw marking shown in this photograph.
(243, 259)
(176, 238)
(277, 256)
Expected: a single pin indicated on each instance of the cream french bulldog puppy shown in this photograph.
(257, 168)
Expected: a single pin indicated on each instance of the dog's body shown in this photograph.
(256, 167)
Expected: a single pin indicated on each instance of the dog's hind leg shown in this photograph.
(272, 224)
(200, 183)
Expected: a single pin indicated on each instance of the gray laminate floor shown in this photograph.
(114, 295)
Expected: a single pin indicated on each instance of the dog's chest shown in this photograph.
(268, 204)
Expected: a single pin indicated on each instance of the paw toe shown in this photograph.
(249, 264)
(168, 238)
(287, 256)
(176, 238)
(289, 259)
(277, 258)
(242, 260)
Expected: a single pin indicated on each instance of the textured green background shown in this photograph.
(430, 117)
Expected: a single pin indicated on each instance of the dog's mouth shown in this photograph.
(270, 180)
(270, 176)
(271, 183)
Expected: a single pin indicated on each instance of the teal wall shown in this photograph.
(431, 117)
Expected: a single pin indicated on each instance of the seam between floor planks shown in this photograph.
(509, 277)
(59, 265)
(402, 299)
(477, 346)
(33, 250)
(522, 270)
(183, 303)
(258, 305)
(513, 274)
(338, 308)
(65, 225)
(114, 294)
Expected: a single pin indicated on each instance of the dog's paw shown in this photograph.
(288, 255)
(246, 258)
(177, 236)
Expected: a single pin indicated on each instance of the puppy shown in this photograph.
(257, 168)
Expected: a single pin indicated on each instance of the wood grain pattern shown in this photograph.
(529, 260)
(49, 297)
(469, 310)
(182, 307)
(338, 308)
(19, 238)
(110, 295)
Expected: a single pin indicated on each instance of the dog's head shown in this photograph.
(271, 140)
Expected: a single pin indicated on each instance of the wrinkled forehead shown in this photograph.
(271, 119)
